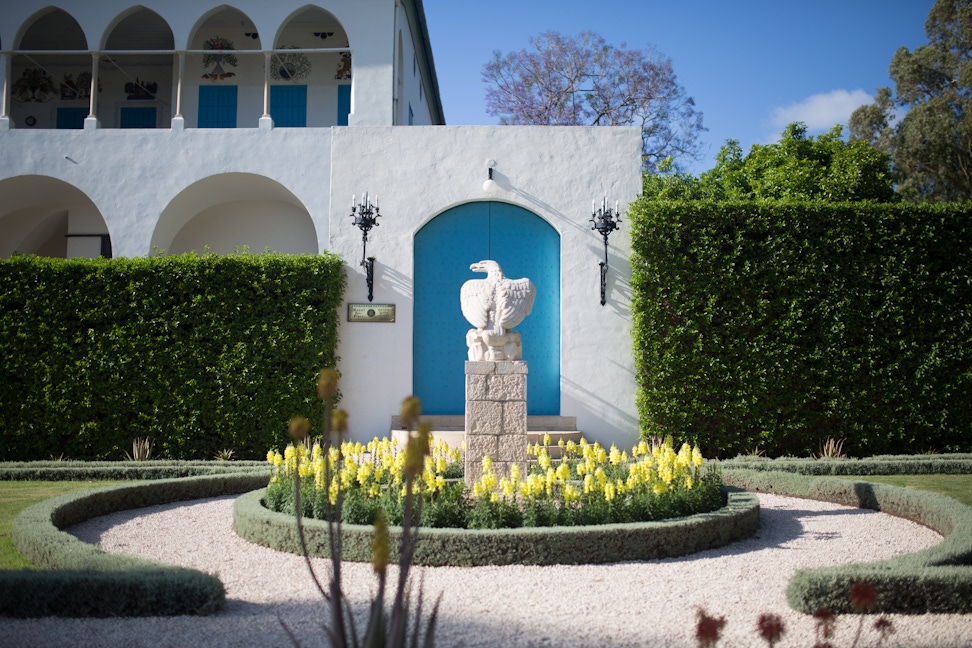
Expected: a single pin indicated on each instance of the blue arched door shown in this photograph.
(525, 246)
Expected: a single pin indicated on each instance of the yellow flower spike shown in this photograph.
(619, 486)
(601, 476)
(441, 465)
(381, 544)
(659, 488)
(571, 448)
(494, 497)
(609, 491)
(588, 483)
(546, 438)
(697, 457)
(327, 384)
(515, 473)
(624, 457)
(270, 456)
(487, 464)
(560, 444)
(615, 455)
(478, 489)
(440, 482)
(543, 459)
(601, 455)
(688, 482)
(563, 472)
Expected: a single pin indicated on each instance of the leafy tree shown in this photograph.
(931, 145)
(798, 166)
(567, 81)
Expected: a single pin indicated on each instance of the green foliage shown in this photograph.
(779, 324)
(86, 470)
(573, 545)
(85, 581)
(796, 167)
(199, 353)
(931, 144)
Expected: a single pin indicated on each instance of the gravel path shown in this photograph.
(651, 603)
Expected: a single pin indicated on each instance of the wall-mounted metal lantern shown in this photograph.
(604, 221)
(365, 215)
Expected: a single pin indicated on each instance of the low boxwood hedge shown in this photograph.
(936, 580)
(944, 464)
(123, 470)
(525, 546)
(86, 581)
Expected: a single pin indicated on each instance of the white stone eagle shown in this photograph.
(494, 305)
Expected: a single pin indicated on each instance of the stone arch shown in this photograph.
(144, 89)
(228, 212)
(51, 28)
(49, 217)
(525, 245)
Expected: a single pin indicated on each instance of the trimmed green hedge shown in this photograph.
(935, 580)
(199, 353)
(85, 581)
(950, 464)
(525, 546)
(123, 470)
(778, 324)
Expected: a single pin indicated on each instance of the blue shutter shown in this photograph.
(288, 105)
(137, 117)
(217, 106)
(525, 246)
(71, 118)
(344, 104)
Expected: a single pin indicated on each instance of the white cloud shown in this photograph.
(821, 112)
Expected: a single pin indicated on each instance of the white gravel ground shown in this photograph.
(651, 603)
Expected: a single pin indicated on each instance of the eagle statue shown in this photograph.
(495, 305)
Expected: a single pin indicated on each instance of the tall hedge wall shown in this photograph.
(779, 324)
(199, 353)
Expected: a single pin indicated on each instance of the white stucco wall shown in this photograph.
(554, 172)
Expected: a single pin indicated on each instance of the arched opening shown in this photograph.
(51, 90)
(142, 83)
(229, 90)
(311, 88)
(524, 245)
(49, 217)
(234, 212)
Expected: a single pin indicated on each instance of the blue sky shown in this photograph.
(752, 66)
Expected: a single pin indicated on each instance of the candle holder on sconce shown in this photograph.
(365, 216)
(604, 221)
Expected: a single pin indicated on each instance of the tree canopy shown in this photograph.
(566, 81)
(930, 146)
(799, 166)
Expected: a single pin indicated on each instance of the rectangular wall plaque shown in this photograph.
(371, 312)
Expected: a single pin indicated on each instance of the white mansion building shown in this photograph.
(177, 125)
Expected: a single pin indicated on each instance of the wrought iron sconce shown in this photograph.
(366, 216)
(604, 221)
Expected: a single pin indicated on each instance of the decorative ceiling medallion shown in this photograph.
(289, 67)
(222, 45)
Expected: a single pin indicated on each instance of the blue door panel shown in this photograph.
(525, 246)
(444, 249)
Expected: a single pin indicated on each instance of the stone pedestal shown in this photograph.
(496, 417)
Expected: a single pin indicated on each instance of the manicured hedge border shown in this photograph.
(100, 470)
(86, 581)
(936, 580)
(945, 464)
(525, 546)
